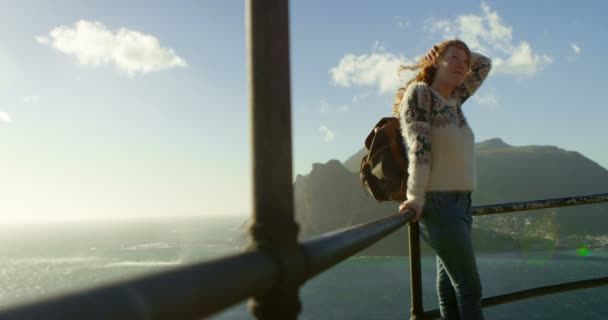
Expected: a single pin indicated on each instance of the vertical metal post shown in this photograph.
(273, 228)
(415, 272)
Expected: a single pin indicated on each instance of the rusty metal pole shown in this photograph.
(273, 229)
(415, 272)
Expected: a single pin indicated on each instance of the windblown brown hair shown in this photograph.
(427, 69)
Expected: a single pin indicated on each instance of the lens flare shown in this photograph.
(539, 237)
(583, 252)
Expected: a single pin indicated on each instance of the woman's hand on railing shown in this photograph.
(410, 205)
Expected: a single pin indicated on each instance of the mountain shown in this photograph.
(354, 162)
(331, 197)
(491, 144)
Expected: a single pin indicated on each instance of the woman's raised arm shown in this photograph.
(480, 68)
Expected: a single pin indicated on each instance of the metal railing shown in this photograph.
(418, 313)
(199, 290)
(274, 265)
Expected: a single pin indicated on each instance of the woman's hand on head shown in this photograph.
(432, 54)
(410, 205)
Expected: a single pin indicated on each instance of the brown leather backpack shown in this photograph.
(383, 169)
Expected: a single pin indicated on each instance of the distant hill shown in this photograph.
(354, 162)
(492, 144)
(331, 197)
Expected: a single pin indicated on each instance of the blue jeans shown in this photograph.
(445, 224)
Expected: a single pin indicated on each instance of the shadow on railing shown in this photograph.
(275, 265)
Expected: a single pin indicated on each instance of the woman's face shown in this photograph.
(453, 66)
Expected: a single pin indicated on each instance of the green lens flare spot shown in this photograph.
(582, 251)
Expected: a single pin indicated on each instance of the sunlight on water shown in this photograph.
(70, 257)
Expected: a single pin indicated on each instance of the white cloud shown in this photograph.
(377, 46)
(34, 98)
(130, 51)
(377, 69)
(360, 97)
(402, 22)
(575, 48)
(343, 108)
(325, 107)
(486, 33)
(4, 117)
(521, 61)
(42, 39)
(439, 25)
(328, 135)
(489, 34)
(489, 100)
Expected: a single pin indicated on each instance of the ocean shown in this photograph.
(44, 259)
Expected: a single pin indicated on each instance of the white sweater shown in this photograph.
(439, 142)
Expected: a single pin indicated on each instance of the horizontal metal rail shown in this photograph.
(202, 289)
(539, 204)
(531, 293)
(186, 292)
(331, 248)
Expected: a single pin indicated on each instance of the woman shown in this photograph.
(440, 147)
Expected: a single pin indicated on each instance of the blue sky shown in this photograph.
(116, 110)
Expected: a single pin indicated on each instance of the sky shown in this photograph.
(113, 109)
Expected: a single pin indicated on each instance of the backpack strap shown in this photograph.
(397, 149)
(394, 138)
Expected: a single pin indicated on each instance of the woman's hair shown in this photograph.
(427, 69)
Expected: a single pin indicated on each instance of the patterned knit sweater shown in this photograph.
(438, 139)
